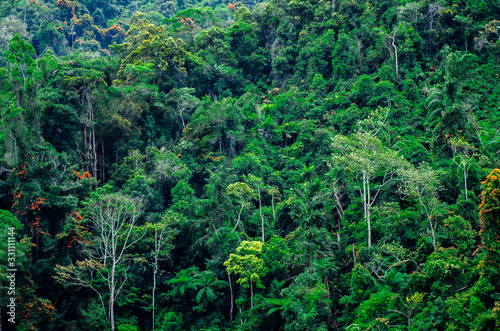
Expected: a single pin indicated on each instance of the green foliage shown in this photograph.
(146, 42)
(247, 264)
(307, 305)
(288, 165)
(172, 321)
(184, 280)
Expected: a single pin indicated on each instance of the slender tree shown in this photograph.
(371, 165)
(242, 194)
(111, 220)
(258, 183)
(422, 184)
(463, 154)
(163, 236)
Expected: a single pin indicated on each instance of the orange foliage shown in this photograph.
(65, 4)
(490, 226)
(188, 22)
(234, 6)
(74, 231)
(83, 175)
(23, 208)
(115, 31)
(215, 158)
(33, 309)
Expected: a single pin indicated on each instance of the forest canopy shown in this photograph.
(278, 165)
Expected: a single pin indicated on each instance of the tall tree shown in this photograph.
(85, 85)
(147, 43)
(463, 154)
(241, 193)
(371, 165)
(248, 265)
(111, 220)
(423, 184)
(162, 241)
(258, 183)
(20, 66)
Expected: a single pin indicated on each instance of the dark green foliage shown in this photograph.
(300, 165)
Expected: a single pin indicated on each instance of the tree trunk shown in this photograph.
(272, 203)
(465, 182)
(369, 227)
(251, 294)
(86, 147)
(393, 37)
(429, 217)
(368, 216)
(239, 217)
(155, 270)
(232, 299)
(112, 298)
(94, 153)
(25, 8)
(366, 206)
(93, 147)
(261, 216)
(102, 168)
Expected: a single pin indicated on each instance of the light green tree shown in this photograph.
(463, 154)
(258, 183)
(422, 184)
(242, 194)
(275, 196)
(184, 102)
(247, 265)
(147, 43)
(20, 67)
(371, 165)
(161, 236)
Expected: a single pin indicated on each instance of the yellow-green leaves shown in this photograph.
(247, 264)
(241, 191)
(147, 43)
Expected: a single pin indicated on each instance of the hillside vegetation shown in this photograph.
(281, 165)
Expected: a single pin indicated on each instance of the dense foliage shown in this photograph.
(281, 165)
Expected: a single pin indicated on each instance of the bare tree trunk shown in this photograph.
(25, 8)
(93, 147)
(239, 217)
(395, 52)
(102, 168)
(272, 203)
(251, 294)
(112, 299)
(368, 220)
(261, 216)
(465, 182)
(155, 270)
(366, 207)
(340, 210)
(430, 223)
(231, 307)
(153, 298)
(86, 147)
(94, 153)
(353, 254)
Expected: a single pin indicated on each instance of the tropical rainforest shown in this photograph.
(279, 165)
